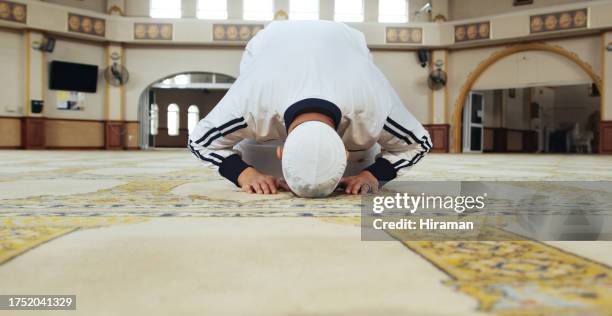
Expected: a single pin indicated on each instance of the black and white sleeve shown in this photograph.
(404, 142)
(214, 138)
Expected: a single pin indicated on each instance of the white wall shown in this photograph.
(84, 53)
(408, 79)
(92, 5)
(467, 9)
(12, 79)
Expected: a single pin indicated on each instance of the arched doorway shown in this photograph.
(170, 107)
(457, 118)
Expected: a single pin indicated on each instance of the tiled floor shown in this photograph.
(155, 233)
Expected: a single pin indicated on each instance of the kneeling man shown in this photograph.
(313, 85)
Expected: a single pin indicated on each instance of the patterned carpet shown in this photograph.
(45, 195)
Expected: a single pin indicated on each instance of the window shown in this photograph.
(182, 80)
(392, 11)
(153, 119)
(348, 10)
(258, 9)
(193, 116)
(165, 9)
(304, 9)
(212, 9)
(173, 120)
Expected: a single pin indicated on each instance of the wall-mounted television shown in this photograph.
(73, 77)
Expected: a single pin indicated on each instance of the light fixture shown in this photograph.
(47, 45)
(424, 9)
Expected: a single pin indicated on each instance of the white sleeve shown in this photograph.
(404, 141)
(215, 136)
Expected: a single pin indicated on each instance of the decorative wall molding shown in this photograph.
(115, 9)
(281, 15)
(153, 31)
(235, 32)
(558, 21)
(13, 12)
(496, 56)
(473, 31)
(86, 25)
(403, 35)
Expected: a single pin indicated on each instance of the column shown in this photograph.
(114, 111)
(33, 123)
(605, 127)
(370, 11)
(438, 106)
(326, 9)
(234, 10)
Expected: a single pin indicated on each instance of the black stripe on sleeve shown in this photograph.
(402, 129)
(219, 129)
(217, 156)
(426, 139)
(214, 137)
(396, 134)
(198, 155)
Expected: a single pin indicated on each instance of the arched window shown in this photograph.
(173, 120)
(193, 116)
(165, 9)
(348, 10)
(154, 119)
(258, 9)
(212, 9)
(392, 11)
(304, 9)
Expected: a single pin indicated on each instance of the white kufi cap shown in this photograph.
(314, 159)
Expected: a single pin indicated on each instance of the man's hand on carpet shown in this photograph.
(365, 182)
(252, 181)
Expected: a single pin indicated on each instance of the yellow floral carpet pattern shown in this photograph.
(526, 278)
(20, 234)
(522, 277)
(46, 195)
